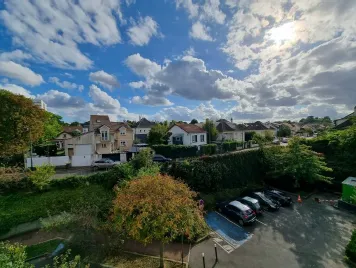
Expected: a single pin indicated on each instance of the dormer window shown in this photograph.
(104, 135)
(97, 120)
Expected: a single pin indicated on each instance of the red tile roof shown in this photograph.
(69, 129)
(190, 128)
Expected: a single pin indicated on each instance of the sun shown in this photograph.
(283, 33)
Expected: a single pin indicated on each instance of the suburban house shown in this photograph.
(187, 134)
(142, 129)
(230, 131)
(257, 127)
(123, 136)
(345, 121)
(68, 132)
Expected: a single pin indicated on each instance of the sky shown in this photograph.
(182, 59)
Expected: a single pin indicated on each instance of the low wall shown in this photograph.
(53, 160)
(347, 206)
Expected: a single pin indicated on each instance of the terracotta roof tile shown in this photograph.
(190, 128)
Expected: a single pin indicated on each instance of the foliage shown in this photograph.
(42, 248)
(42, 175)
(157, 208)
(152, 170)
(298, 162)
(175, 151)
(350, 250)
(258, 138)
(158, 134)
(12, 160)
(218, 172)
(210, 128)
(284, 131)
(230, 146)
(320, 120)
(194, 121)
(65, 261)
(52, 127)
(75, 124)
(208, 149)
(143, 159)
(48, 149)
(75, 133)
(268, 136)
(13, 256)
(25, 207)
(21, 121)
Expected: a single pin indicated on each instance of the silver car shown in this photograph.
(104, 163)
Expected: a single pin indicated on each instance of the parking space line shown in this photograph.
(261, 222)
(229, 220)
(219, 240)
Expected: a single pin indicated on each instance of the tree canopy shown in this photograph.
(158, 134)
(211, 130)
(320, 120)
(52, 127)
(21, 121)
(194, 121)
(284, 131)
(157, 208)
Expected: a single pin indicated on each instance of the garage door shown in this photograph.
(82, 149)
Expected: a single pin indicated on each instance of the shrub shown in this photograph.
(351, 248)
(42, 175)
(143, 159)
(13, 256)
(208, 149)
(229, 146)
(175, 151)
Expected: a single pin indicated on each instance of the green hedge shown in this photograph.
(230, 146)
(23, 207)
(351, 248)
(227, 171)
(175, 151)
(208, 149)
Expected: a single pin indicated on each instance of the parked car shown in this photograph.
(279, 196)
(252, 203)
(237, 211)
(161, 158)
(285, 140)
(265, 202)
(104, 163)
(276, 141)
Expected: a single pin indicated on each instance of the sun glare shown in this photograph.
(283, 33)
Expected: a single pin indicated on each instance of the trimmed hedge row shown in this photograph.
(214, 173)
(208, 149)
(230, 146)
(175, 151)
(351, 248)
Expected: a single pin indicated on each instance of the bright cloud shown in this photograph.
(141, 33)
(200, 31)
(108, 81)
(64, 84)
(20, 73)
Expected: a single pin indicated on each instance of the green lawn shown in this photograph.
(42, 248)
(25, 207)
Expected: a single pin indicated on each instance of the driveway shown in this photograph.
(305, 235)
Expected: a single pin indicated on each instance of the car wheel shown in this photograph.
(241, 222)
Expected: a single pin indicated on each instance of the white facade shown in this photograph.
(41, 104)
(187, 138)
(231, 135)
(142, 130)
(52, 160)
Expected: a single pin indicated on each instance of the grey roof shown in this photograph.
(225, 125)
(252, 200)
(144, 123)
(350, 181)
(258, 125)
(239, 205)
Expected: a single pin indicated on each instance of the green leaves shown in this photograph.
(175, 151)
(13, 256)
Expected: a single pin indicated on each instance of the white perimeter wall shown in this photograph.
(53, 160)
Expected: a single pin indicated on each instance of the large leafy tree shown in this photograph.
(20, 122)
(211, 130)
(158, 134)
(157, 208)
(284, 131)
(297, 161)
(194, 121)
(52, 127)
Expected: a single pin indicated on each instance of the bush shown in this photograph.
(229, 146)
(13, 178)
(42, 175)
(143, 159)
(351, 248)
(175, 151)
(208, 149)
(13, 256)
(214, 173)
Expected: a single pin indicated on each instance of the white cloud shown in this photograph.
(52, 30)
(20, 73)
(138, 84)
(108, 81)
(16, 56)
(190, 52)
(81, 88)
(64, 84)
(102, 100)
(200, 31)
(69, 75)
(211, 11)
(17, 90)
(57, 99)
(151, 100)
(141, 66)
(140, 33)
(189, 6)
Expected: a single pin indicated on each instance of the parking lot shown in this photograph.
(303, 235)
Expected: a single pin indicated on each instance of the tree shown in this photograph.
(52, 127)
(297, 161)
(13, 256)
(284, 131)
(143, 159)
(194, 121)
(158, 135)
(268, 135)
(42, 175)
(157, 208)
(75, 124)
(20, 122)
(211, 130)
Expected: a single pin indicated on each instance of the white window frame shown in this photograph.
(122, 143)
(104, 135)
(196, 138)
(202, 138)
(103, 145)
(123, 131)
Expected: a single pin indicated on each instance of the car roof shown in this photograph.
(239, 205)
(250, 199)
(158, 155)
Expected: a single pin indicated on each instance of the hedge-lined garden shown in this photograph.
(230, 146)
(175, 151)
(351, 249)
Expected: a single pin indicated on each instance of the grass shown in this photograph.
(26, 207)
(42, 248)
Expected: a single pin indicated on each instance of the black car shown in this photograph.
(279, 196)
(237, 211)
(160, 158)
(265, 202)
(252, 203)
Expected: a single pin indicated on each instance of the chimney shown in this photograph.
(232, 120)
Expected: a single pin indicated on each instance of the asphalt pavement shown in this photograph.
(302, 236)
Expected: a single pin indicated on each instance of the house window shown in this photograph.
(103, 145)
(98, 121)
(123, 131)
(202, 138)
(144, 130)
(194, 138)
(122, 143)
(140, 130)
(64, 135)
(104, 135)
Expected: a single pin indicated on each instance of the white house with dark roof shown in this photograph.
(187, 134)
(230, 131)
(142, 130)
(345, 121)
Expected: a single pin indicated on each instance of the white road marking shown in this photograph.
(229, 220)
(262, 223)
